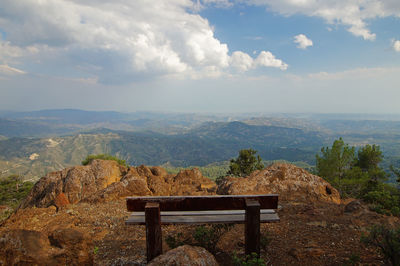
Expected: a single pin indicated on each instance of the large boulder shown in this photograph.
(76, 183)
(29, 247)
(290, 182)
(185, 256)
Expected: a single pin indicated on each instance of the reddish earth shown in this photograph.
(314, 230)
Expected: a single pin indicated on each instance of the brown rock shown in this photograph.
(28, 247)
(76, 246)
(76, 183)
(290, 182)
(61, 200)
(353, 206)
(191, 182)
(186, 256)
(105, 180)
(132, 184)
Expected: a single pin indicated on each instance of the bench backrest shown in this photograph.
(202, 203)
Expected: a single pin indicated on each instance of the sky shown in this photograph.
(213, 56)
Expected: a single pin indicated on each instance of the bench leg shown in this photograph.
(252, 227)
(153, 230)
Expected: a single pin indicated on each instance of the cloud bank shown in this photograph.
(118, 41)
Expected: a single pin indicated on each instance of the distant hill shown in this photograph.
(34, 143)
(213, 142)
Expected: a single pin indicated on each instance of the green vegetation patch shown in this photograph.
(12, 191)
(92, 157)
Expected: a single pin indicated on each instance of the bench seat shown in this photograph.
(154, 211)
(203, 217)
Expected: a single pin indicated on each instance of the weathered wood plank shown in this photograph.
(203, 219)
(202, 203)
(252, 227)
(183, 213)
(153, 230)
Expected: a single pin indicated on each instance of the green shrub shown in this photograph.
(383, 202)
(387, 240)
(249, 260)
(12, 191)
(92, 157)
(174, 241)
(206, 236)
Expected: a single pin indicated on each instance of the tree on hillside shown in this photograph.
(335, 161)
(369, 157)
(245, 163)
(396, 172)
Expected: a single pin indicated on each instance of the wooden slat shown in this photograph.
(202, 203)
(203, 219)
(177, 213)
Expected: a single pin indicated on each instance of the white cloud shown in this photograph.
(267, 59)
(244, 62)
(241, 61)
(354, 14)
(10, 71)
(396, 46)
(118, 41)
(302, 41)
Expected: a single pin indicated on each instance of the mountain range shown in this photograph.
(34, 143)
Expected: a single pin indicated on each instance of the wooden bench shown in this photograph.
(248, 209)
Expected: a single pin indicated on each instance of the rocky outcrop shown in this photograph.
(290, 182)
(102, 181)
(76, 183)
(185, 256)
(29, 247)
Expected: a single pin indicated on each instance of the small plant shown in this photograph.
(249, 260)
(208, 236)
(176, 241)
(383, 202)
(387, 240)
(95, 250)
(203, 236)
(92, 157)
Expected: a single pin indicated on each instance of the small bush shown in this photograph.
(383, 202)
(208, 236)
(176, 241)
(203, 236)
(387, 240)
(249, 260)
(92, 157)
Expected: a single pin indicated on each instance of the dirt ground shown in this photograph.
(307, 234)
